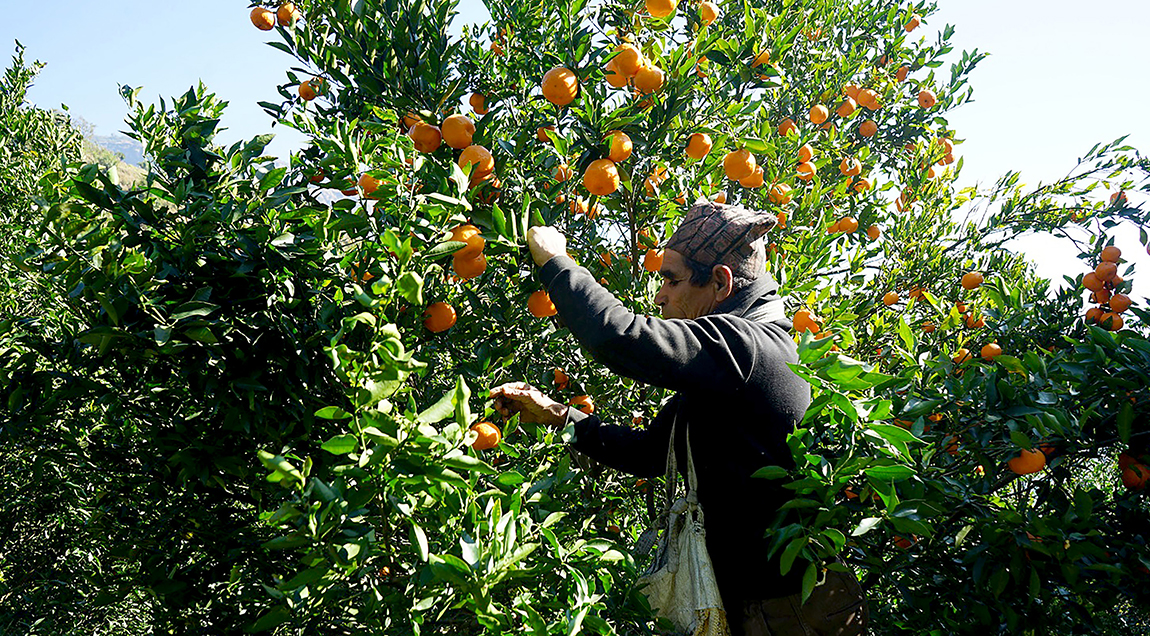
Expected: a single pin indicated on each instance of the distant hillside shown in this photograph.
(132, 150)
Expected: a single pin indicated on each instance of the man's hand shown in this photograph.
(545, 243)
(530, 403)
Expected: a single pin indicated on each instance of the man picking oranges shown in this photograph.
(723, 347)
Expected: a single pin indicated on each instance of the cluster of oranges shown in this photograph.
(469, 261)
(1135, 474)
(285, 15)
(1102, 284)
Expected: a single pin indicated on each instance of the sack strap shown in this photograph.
(672, 474)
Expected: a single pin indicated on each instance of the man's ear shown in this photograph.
(723, 279)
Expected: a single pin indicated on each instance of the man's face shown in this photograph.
(678, 298)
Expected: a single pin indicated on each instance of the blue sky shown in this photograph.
(1062, 76)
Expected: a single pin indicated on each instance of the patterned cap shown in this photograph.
(720, 234)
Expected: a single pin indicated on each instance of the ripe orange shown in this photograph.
(540, 305)
(649, 79)
(1119, 303)
(1111, 254)
(661, 8)
(862, 184)
(975, 323)
(1092, 282)
(480, 158)
(739, 164)
(806, 320)
(928, 327)
(317, 177)
(653, 260)
(1102, 296)
(601, 177)
(850, 167)
(427, 137)
(563, 172)
(852, 91)
(583, 403)
(960, 356)
(458, 130)
(1135, 476)
(620, 146)
(560, 86)
(819, 114)
(708, 12)
(699, 145)
(806, 170)
(468, 234)
(780, 193)
(833, 228)
(540, 134)
(1111, 321)
(901, 73)
(868, 99)
(307, 89)
(468, 268)
(561, 379)
(848, 224)
(478, 103)
(615, 78)
(972, 280)
(288, 14)
(1118, 199)
(488, 434)
(787, 126)
(873, 232)
(806, 153)
(1027, 462)
(902, 542)
(439, 317)
(911, 24)
(263, 19)
(848, 106)
(991, 351)
(1106, 271)
(753, 181)
(926, 99)
(368, 184)
(764, 57)
(628, 61)
(1094, 314)
(868, 128)
(890, 298)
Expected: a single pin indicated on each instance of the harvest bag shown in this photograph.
(680, 583)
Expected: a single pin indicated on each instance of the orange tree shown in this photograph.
(338, 314)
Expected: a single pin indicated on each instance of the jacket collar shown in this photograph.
(758, 302)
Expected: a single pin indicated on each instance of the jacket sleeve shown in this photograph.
(712, 353)
(639, 452)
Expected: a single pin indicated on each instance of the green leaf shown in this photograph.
(793, 548)
(1125, 419)
(410, 286)
(439, 411)
(341, 444)
(462, 407)
(810, 578)
(897, 472)
(868, 524)
(274, 617)
(450, 568)
(1021, 440)
(467, 462)
(419, 538)
(770, 472)
(1011, 364)
(280, 465)
(273, 178)
(332, 413)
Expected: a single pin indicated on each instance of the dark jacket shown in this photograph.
(733, 389)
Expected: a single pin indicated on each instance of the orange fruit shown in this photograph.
(780, 193)
(468, 268)
(307, 89)
(848, 106)
(540, 134)
(890, 298)
(1111, 321)
(972, 280)
(409, 120)
(368, 184)
(806, 170)
(540, 305)
(708, 12)
(928, 327)
(991, 351)
(601, 177)
(1092, 282)
(478, 103)
(805, 320)
(263, 19)
(561, 379)
(848, 224)
(960, 356)
(1111, 254)
(699, 145)
(661, 8)
(902, 542)
(1094, 314)
(868, 99)
(926, 99)
(488, 436)
(317, 177)
(468, 234)
(1118, 198)
(862, 184)
(1102, 296)
(753, 181)
(563, 172)
(850, 167)
(911, 24)
(1135, 476)
(975, 323)
(439, 317)
(560, 86)
(833, 228)
(649, 79)
(852, 91)
(787, 126)
(819, 114)
(480, 158)
(427, 137)
(902, 73)
(1106, 271)
(781, 217)
(1027, 462)
(720, 197)
(615, 78)
(583, 403)
(739, 164)
(620, 146)
(287, 14)
(868, 128)
(1119, 303)
(653, 260)
(458, 131)
(873, 232)
(628, 61)
(764, 57)
(806, 153)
